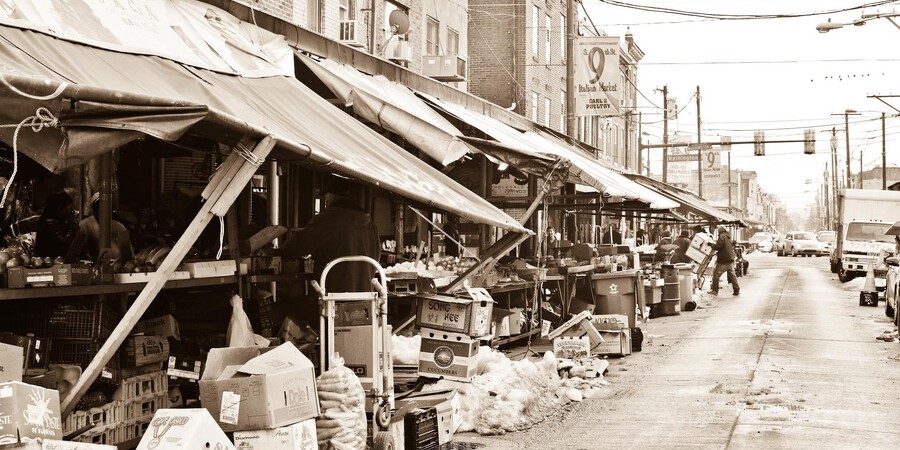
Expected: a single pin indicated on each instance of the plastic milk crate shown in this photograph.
(108, 414)
(142, 387)
(137, 410)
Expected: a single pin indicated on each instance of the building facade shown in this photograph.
(517, 59)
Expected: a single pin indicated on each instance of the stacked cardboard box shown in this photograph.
(268, 399)
(450, 328)
(28, 413)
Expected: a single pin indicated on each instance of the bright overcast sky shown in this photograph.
(776, 75)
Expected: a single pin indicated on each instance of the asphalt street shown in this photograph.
(792, 363)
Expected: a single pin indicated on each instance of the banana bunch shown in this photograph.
(146, 260)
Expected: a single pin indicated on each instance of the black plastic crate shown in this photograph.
(421, 429)
(85, 319)
(80, 352)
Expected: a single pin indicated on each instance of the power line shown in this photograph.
(720, 16)
(776, 61)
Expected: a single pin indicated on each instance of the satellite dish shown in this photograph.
(399, 22)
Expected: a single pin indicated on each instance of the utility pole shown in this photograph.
(665, 92)
(847, 143)
(640, 149)
(834, 175)
(883, 156)
(825, 197)
(700, 158)
(570, 70)
(729, 171)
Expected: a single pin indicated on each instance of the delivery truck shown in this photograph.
(863, 217)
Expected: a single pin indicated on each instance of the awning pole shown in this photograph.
(238, 169)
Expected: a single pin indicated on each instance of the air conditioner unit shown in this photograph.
(352, 33)
(398, 51)
(444, 67)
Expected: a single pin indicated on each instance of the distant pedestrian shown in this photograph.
(612, 235)
(724, 248)
(683, 241)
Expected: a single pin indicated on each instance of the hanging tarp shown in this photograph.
(96, 100)
(393, 107)
(689, 202)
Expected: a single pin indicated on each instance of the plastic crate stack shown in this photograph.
(77, 328)
(127, 416)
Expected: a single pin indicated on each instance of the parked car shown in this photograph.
(778, 244)
(762, 241)
(800, 243)
(826, 242)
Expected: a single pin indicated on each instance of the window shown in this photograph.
(534, 106)
(562, 37)
(547, 105)
(314, 15)
(548, 26)
(452, 41)
(535, 14)
(347, 10)
(390, 7)
(432, 37)
(562, 109)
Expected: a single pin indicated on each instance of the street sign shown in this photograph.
(702, 146)
(712, 166)
(759, 143)
(809, 142)
(683, 157)
(726, 143)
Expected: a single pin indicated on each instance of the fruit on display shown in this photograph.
(146, 260)
(15, 257)
(436, 267)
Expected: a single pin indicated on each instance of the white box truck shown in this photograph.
(863, 217)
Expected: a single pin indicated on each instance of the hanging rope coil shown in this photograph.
(41, 119)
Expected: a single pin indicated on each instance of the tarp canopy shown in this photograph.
(98, 100)
(393, 107)
(689, 202)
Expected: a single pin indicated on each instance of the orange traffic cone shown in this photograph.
(868, 296)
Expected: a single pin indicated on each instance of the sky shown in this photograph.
(780, 76)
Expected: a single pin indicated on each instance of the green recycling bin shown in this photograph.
(615, 293)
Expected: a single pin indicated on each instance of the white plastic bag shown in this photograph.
(240, 332)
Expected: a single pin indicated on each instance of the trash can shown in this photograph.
(671, 294)
(686, 284)
(615, 293)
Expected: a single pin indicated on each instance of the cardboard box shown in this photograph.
(144, 277)
(184, 367)
(615, 332)
(448, 406)
(142, 350)
(52, 444)
(578, 325)
(244, 390)
(186, 429)
(36, 352)
(28, 412)
(12, 361)
(165, 326)
(56, 275)
(571, 347)
(209, 269)
(695, 255)
(447, 355)
(354, 344)
(299, 436)
(470, 316)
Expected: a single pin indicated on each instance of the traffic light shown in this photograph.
(759, 143)
(809, 142)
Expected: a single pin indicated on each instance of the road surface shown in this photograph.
(791, 363)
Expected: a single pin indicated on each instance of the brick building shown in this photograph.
(517, 59)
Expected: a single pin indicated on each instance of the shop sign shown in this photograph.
(508, 185)
(186, 31)
(598, 90)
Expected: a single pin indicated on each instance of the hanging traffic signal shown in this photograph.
(809, 142)
(759, 143)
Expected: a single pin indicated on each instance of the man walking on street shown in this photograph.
(724, 248)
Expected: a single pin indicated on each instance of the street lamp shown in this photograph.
(828, 26)
(847, 113)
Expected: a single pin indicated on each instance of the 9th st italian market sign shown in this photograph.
(598, 90)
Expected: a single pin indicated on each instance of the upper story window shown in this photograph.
(347, 10)
(548, 26)
(390, 7)
(432, 36)
(562, 37)
(314, 15)
(535, 25)
(534, 106)
(452, 41)
(547, 105)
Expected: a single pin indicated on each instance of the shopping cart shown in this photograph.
(381, 379)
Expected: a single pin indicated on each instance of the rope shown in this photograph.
(221, 237)
(41, 118)
(247, 154)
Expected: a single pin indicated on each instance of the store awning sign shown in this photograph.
(186, 31)
(598, 90)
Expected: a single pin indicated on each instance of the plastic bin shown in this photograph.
(686, 282)
(615, 293)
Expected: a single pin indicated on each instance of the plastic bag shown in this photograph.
(240, 332)
(342, 423)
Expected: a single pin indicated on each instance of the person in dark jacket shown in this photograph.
(724, 248)
(612, 235)
(683, 241)
(341, 229)
(451, 248)
(57, 226)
